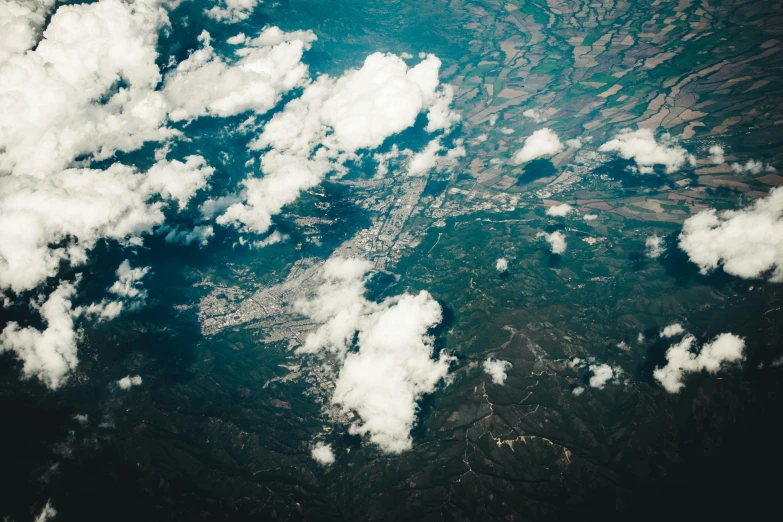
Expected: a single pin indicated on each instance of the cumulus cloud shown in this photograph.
(322, 453)
(331, 122)
(47, 513)
(501, 265)
(200, 234)
(48, 354)
(268, 66)
(561, 210)
(128, 294)
(654, 246)
(556, 241)
(435, 156)
(178, 181)
(681, 360)
(497, 369)
(717, 155)
(20, 25)
(672, 330)
(232, 11)
(575, 143)
(61, 217)
(602, 373)
(393, 366)
(540, 144)
(537, 115)
(88, 88)
(747, 243)
(751, 167)
(642, 146)
(590, 217)
(127, 382)
(579, 390)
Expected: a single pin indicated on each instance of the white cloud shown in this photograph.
(575, 143)
(127, 382)
(747, 243)
(561, 210)
(61, 217)
(232, 11)
(501, 265)
(556, 241)
(331, 122)
(81, 418)
(393, 367)
(338, 306)
(51, 108)
(537, 115)
(751, 167)
(579, 390)
(269, 66)
(654, 246)
(542, 143)
(322, 453)
(49, 355)
(431, 157)
(717, 155)
(20, 25)
(725, 349)
(178, 181)
(590, 217)
(129, 294)
(497, 369)
(641, 146)
(672, 330)
(602, 373)
(47, 513)
(200, 234)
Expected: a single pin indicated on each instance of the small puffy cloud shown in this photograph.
(575, 143)
(576, 362)
(322, 453)
(681, 360)
(269, 66)
(48, 354)
(654, 246)
(501, 265)
(81, 418)
(579, 390)
(672, 330)
(717, 155)
(642, 146)
(556, 241)
(537, 115)
(751, 167)
(590, 217)
(747, 243)
(127, 382)
(128, 292)
(540, 144)
(497, 369)
(200, 234)
(433, 156)
(232, 11)
(561, 210)
(602, 373)
(47, 513)
(393, 366)
(177, 180)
